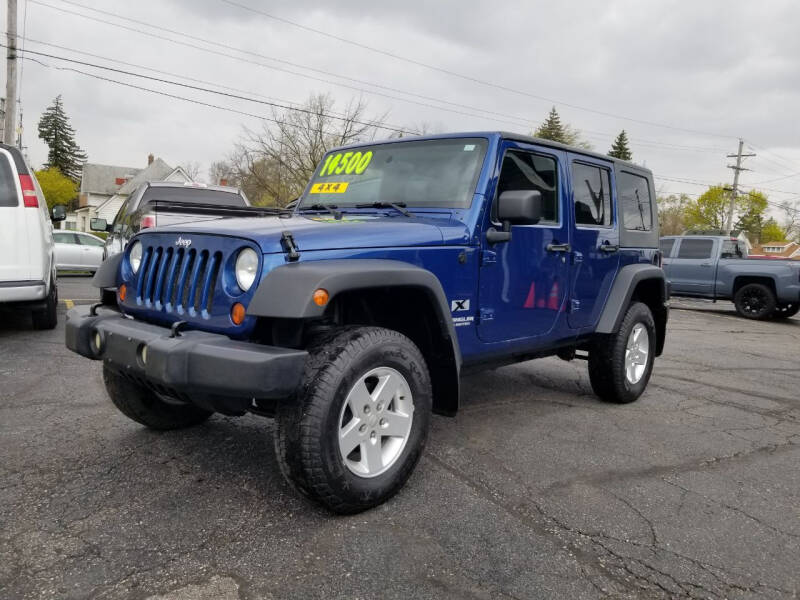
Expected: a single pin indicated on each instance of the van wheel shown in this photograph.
(357, 426)
(620, 364)
(785, 311)
(754, 301)
(47, 317)
(144, 406)
(108, 297)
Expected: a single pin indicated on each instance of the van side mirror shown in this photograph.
(58, 212)
(515, 207)
(98, 225)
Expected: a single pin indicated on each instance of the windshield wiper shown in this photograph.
(398, 206)
(331, 208)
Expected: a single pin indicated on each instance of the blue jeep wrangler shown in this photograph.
(350, 318)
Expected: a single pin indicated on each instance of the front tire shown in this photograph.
(754, 301)
(47, 317)
(358, 424)
(144, 406)
(620, 364)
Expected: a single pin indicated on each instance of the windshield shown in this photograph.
(436, 173)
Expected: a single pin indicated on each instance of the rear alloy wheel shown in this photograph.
(784, 311)
(356, 428)
(754, 301)
(620, 364)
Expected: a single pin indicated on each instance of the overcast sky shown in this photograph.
(712, 71)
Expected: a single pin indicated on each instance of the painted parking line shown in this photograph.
(69, 303)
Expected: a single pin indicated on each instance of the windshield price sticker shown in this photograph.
(346, 163)
(329, 188)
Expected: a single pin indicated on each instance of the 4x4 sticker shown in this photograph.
(329, 188)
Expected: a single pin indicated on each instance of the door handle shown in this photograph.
(608, 248)
(558, 247)
(705, 264)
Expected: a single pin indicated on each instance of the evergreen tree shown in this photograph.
(552, 128)
(620, 148)
(64, 153)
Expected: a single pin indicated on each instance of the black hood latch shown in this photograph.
(289, 246)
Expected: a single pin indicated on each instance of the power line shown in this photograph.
(208, 90)
(463, 76)
(516, 118)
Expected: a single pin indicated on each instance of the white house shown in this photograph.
(104, 188)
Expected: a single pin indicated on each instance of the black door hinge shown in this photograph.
(287, 242)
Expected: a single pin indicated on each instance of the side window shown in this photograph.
(64, 238)
(666, 246)
(591, 187)
(634, 202)
(8, 188)
(87, 240)
(690, 248)
(120, 216)
(528, 171)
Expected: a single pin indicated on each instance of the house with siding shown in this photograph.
(790, 250)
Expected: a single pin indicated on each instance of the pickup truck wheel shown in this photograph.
(754, 301)
(357, 426)
(784, 311)
(47, 317)
(620, 364)
(144, 406)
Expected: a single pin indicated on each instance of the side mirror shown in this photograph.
(98, 225)
(58, 212)
(515, 207)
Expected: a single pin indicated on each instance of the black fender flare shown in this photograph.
(287, 292)
(106, 275)
(621, 293)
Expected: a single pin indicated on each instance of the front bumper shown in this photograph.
(206, 369)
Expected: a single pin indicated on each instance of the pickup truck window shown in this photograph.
(592, 192)
(690, 248)
(634, 201)
(666, 247)
(731, 249)
(436, 173)
(528, 171)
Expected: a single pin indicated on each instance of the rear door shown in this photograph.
(68, 251)
(595, 239)
(91, 251)
(14, 262)
(691, 269)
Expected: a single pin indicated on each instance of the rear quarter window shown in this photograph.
(635, 202)
(8, 184)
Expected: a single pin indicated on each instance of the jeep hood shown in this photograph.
(317, 232)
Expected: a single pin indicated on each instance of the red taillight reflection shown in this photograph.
(29, 198)
(148, 221)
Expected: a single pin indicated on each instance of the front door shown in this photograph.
(595, 240)
(523, 283)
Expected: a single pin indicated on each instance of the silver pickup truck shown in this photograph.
(717, 267)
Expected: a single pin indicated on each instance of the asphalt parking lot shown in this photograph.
(535, 490)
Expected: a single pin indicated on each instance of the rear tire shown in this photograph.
(47, 317)
(144, 406)
(620, 364)
(333, 440)
(754, 301)
(785, 311)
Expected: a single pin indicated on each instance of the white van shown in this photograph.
(27, 264)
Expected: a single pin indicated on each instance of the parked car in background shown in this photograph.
(158, 203)
(78, 251)
(717, 267)
(27, 265)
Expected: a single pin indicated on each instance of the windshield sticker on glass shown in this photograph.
(469, 147)
(329, 188)
(347, 163)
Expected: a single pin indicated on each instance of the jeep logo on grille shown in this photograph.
(182, 242)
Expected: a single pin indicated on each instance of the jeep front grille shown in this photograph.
(178, 280)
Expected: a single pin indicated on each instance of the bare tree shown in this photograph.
(273, 164)
(192, 168)
(222, 172)
(791, 223)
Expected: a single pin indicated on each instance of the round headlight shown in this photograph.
(246, 268)
(135, 256)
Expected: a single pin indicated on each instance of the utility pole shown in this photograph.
(737, 168)
(10, 128)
